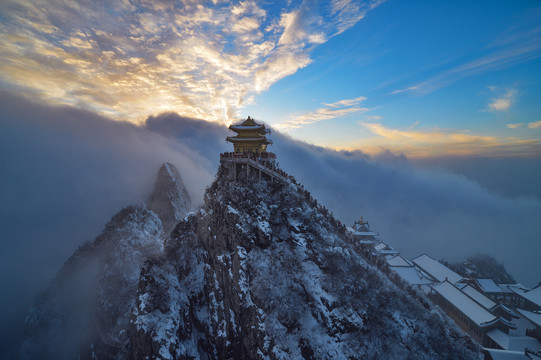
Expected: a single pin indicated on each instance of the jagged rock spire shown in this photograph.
(85, 311)
(262, 272)
(170, 200)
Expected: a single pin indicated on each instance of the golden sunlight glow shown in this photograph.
(200, 61)
(439, 142)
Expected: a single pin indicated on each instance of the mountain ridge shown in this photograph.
(86, 308)
(261, 271)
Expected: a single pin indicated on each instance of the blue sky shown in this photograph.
(419, 78)
(472, 69)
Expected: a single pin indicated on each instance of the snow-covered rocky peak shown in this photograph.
(263, 271)
(169, 200)
(86, 309)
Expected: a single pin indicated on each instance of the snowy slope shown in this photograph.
(264, 272)
(86, 310)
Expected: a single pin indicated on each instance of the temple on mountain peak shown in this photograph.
(250, 158)
(250, 137)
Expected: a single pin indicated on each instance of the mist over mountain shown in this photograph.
(483, 266)
(261, 271)
(65, 172)
(511, 176)
(416, 209)
(85, 311)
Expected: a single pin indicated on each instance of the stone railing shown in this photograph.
(264, 162)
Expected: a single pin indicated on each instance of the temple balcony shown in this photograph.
(261, 165)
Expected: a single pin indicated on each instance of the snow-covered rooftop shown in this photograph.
(246, 127)
(463, 303)
(533, 295)
(388, 252)
(237, 138)
(477, 296)
(497, 354)
(513, 343)
(507, 310)
(385, 249)
(410, 275)
(499, 337)
(364, 233)
(366, 241)
(534, 317)
(397, 261)
(506, 288)
(436, 269)
(488, 286)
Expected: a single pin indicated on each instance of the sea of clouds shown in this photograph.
(64, 172)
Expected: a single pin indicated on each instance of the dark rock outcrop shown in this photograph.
(261, 273)
(170, 200)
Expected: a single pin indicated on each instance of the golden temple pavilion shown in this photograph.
(250, 159)
(250, 137)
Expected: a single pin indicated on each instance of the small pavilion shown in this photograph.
(250, 137)
(250, 156)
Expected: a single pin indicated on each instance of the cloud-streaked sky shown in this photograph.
(66, 171)
(423, 78)
(443, 85)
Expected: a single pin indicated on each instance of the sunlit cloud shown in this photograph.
(129, 59)
(330, 111)
(515, 126)
(446, 142)
(534, 125)
(436, 137)
(349, 12)
(346, 102)
(502, 102)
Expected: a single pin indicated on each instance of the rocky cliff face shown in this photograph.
(263, 272)
(170, 200)
(86, 310)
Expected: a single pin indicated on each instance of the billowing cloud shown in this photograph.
(330, 111)
(419, 210)
(502, 102)
(535, 125)
(449, 142)
(129, 59)
(66, 171)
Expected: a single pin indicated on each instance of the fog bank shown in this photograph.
(65, 172)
